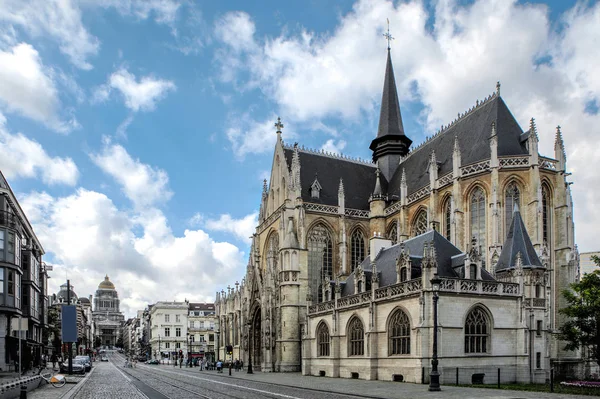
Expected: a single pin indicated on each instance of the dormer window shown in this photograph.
(315, 189)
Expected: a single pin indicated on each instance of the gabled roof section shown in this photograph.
(359, 175)
(518, 245)
(472, 130)
(446, 257)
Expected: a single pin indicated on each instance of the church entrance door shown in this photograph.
(255, 336)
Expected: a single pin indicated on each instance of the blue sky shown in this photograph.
(137, 132)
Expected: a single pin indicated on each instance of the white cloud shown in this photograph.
(27, 88)
(23, 157)
(241, 228)
(236, 29)
(163, 11)
(139, 95)
(248, 136)
(333, 147)
(88, 237)
(141, 183)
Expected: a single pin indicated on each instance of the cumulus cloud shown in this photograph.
(445, 58)
(27, 88)
(89, 236)
(139, 95)
(143, 184)
(248, 136)
(241, 228)
(24, 157)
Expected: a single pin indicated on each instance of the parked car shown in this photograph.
(86, 360)
(153, 361)
(78, 368)
(104, 358)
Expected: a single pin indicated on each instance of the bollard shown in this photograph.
(498, 377)
(23, 394)
(230, 364)
(552, 380)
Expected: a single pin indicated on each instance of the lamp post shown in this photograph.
(434, 377)
(250, 348)
(159, 352)
(189, 350)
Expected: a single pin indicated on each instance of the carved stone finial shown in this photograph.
(498, 88)
(278, 125)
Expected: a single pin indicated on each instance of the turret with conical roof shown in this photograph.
(391, 143)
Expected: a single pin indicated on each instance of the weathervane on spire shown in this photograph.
(388, 35)
(278, 125)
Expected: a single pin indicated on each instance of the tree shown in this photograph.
(582, 328)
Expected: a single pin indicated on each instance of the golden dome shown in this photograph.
(106, 284)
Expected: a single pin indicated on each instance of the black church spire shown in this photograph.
(391, 143)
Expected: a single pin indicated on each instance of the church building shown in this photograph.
(339, 277)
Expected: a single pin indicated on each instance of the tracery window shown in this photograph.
(546, 214)
(511, 197)
(323, 339)
(477, 208)
(447, 218)
(399, 334)
(320, 259)
(420, 223)
(273, 250)
(356, 332)
(392, 233)
(357, 245)
(476, 332)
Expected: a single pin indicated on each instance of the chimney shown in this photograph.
(376, 243)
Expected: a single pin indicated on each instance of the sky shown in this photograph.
(136, 133)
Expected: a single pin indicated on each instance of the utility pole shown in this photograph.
(70, 344)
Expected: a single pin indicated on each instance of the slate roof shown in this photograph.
(518, 242)
(201, 306)
(359, 178)
(473, 132)
(447, 255)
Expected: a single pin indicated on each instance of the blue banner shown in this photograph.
(69, 323)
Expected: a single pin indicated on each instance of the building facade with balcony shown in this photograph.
(202, 323)
(319, 211)
(23, 285)
(169, 330)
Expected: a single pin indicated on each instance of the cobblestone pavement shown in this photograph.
(112, 380)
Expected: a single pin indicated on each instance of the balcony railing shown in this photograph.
(9, 220)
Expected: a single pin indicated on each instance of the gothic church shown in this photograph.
(339, 275)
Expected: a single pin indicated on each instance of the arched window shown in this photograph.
(476, 332)
(399, 333)
(356, 333)
(546, 215)
(392, 233)
(477, 222)
(323, 340)
(511, 197)
(447, 218)
(403, 274)
(320, 259)
(273, 250)
(420, 223)
(357, 246)
(473, 271)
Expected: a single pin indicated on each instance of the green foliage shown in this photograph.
(582, 328)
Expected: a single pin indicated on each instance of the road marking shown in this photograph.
(228, 384)
(129, 381)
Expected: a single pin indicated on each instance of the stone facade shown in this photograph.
(108, 318)
(319, 211)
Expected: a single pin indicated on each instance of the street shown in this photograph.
(112, 380)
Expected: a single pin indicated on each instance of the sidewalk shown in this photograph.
(47, 391)
(386, 389)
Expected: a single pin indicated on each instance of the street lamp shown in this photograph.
(250, 348)
(159, 352)
(189, 350)
(434, 377)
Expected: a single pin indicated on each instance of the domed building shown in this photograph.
(107, 316)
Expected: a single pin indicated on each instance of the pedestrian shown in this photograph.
(219, 366)
(53, 358)
(134, 362)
